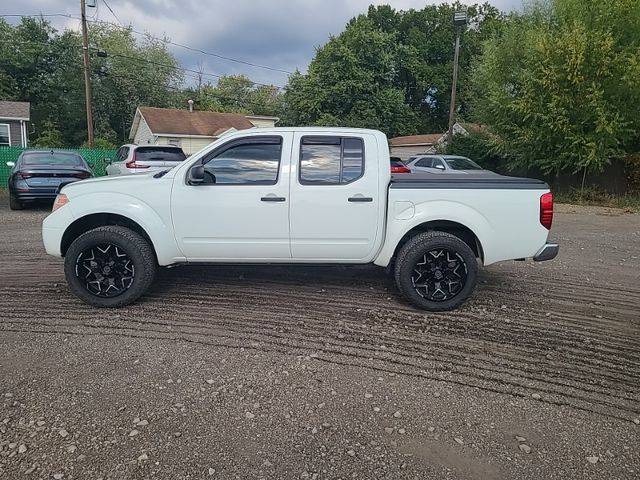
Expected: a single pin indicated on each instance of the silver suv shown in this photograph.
(132, 159)
(446, 164)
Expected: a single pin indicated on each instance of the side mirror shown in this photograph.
(11, 164)
(196, 175)
(108, 161)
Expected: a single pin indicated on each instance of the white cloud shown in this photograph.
(277, 33)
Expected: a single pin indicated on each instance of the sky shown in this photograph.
(280, 34)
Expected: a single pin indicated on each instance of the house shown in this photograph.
(14, 117)
(189, 129)
(405, 147)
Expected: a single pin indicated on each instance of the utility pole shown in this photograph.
(459, 20)
(87, 73)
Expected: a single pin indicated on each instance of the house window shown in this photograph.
(5, 134)
(331, 160)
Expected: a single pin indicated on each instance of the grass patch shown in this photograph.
(592, 196)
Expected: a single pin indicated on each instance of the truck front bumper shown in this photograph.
(548, 252)
(53, 228)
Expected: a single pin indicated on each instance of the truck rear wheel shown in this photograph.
(109, 266)
(436, 271)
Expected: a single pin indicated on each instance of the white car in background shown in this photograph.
(132, 159)
(446, 164)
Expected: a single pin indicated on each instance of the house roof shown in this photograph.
(427, 139)
(264, 117)
(17, 110)
(184, 122)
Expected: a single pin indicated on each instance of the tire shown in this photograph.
(120, 266)
(436, 271)
(390, 269)
(14, 203)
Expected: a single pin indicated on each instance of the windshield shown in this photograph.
(462, 163)
(52, 159)
(165, 154)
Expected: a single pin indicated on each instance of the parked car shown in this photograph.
(398, 166)
(296, 195)
(131, 159)
(37, 174)
(446, 164)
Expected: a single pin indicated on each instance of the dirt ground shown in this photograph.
(326, 373)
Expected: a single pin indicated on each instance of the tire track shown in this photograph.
(354, 316)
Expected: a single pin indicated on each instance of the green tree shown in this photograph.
(351, 83)
(44, 67)
(390, 70)
(237, 93)
(559, 87)
(134, 73)
(425, 72)
(50, 136)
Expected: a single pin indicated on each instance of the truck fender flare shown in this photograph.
(439, 215)
(150, 224)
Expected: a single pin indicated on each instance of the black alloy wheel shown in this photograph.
(105, 270)
(436, 271)
(439, 275)
(110, 266)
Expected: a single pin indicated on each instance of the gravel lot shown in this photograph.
(326, 373)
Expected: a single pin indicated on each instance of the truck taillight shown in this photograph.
(132, 163)
(546, 210)
(400, 169)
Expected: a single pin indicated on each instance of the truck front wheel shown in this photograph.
(436, 271)
(109, 266)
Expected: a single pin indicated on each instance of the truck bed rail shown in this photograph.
(455, 182)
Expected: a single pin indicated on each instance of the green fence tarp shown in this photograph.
(96, 158)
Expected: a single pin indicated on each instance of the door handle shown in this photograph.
(273, 199)
(360, 199)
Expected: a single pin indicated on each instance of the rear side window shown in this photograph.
(462, 163)
(437, 163)
(330, 160)
(425, 162)
(160, 154)
(123, 153)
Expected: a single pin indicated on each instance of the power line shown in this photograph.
(112, 12)
(38, 15)
(197, 50)
(150, 62)
(164, 40)
(239, 100)
(189, 70)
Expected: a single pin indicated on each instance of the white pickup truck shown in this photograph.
(296, 196)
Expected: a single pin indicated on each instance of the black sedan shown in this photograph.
(37, 174)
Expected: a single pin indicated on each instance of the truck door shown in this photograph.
(241, 212)
(334, 197)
